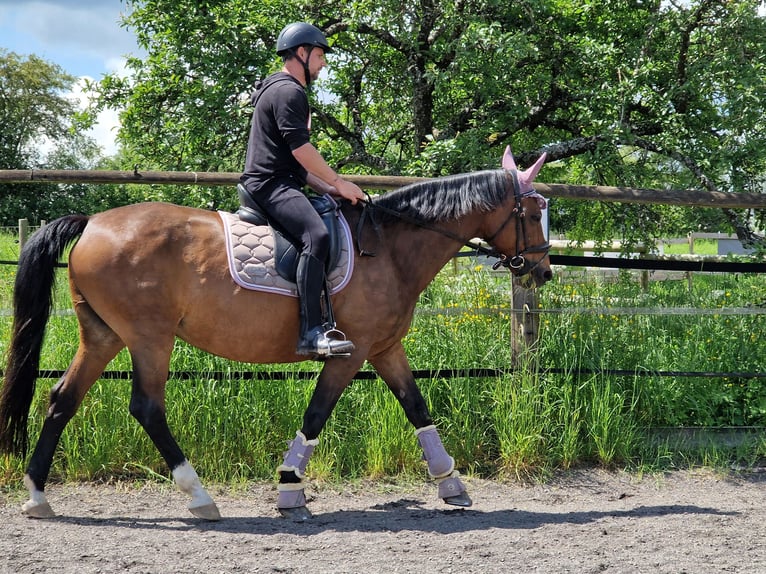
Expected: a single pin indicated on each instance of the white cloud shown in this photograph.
(116, 66)
(107, 122)
(90, 28)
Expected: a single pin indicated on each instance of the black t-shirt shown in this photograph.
(280, 124)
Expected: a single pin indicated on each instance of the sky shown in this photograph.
(84, 37)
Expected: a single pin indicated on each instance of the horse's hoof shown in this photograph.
(461, 499)
(37, 510)
(297, 514)
(206, 512)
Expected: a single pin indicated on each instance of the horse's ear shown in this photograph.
(528, 175)
(508, 161)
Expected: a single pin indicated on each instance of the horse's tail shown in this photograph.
(32, 301)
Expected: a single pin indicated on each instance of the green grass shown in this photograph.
(545, 415)
(701, 247)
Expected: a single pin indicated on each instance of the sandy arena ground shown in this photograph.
(580, 522)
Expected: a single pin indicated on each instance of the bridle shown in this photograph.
(517, 264)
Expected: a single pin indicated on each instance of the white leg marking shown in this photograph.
(37, 506)
(202, 504)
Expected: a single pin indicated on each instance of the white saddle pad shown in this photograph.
(250, 250)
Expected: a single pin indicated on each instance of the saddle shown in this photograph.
(285, 252)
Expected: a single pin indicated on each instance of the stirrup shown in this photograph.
(323, 344)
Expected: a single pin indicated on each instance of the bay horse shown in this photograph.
(144, 274)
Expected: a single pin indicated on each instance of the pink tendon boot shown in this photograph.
(441, 466)
(297, 456)
(295, 459)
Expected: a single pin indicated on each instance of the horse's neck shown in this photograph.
(420, 253)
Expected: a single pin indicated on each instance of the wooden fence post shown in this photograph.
(525, 322)
(690, 238)
(23, 232)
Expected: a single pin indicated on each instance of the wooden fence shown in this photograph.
(525, 324)
(688, 197)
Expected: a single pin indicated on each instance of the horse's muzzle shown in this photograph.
(539, 271)
(520, 266)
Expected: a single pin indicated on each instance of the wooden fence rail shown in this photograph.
(689, 198)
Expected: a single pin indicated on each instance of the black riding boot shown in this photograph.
(316, 337)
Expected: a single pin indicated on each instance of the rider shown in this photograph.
(281, 160)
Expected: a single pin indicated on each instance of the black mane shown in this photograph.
(447, 198)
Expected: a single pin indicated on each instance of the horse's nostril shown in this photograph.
(543, 275)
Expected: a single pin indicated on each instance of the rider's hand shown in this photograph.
(348, 190)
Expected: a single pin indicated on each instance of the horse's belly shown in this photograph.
(250, 327)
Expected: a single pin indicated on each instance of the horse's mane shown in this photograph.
(446, 198)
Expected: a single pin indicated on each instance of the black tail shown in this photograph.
(32, 301)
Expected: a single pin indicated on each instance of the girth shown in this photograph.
(285, 252)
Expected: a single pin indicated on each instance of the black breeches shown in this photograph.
(290, 211)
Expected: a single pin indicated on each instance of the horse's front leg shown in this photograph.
(396, 372)
(333, 380)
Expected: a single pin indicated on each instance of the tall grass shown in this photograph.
(560, 408)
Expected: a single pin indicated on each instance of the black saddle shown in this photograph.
(285, 251)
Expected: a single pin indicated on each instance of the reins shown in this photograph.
(515, 263)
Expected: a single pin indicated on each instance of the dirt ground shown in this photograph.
(583, 521)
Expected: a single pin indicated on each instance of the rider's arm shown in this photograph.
(319, 185)
(313, 162)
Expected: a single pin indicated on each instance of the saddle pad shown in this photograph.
(250, 250)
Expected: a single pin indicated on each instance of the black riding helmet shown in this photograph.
(299, 34)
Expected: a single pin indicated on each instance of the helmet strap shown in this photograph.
(305, 63)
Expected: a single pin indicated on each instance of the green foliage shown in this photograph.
(184, 105)
(641, 94)
(34, 110)
(31, 107)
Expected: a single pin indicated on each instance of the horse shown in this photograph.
(142, 275)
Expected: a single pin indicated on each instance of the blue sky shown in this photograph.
(84, 37)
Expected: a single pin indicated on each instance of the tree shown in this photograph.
(639, 93)
(35, 111)
(31, 107)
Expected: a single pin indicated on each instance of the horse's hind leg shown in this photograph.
(147, 405)
(395, 370)
(98, 345)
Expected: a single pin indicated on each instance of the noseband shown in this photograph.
(516, 264)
